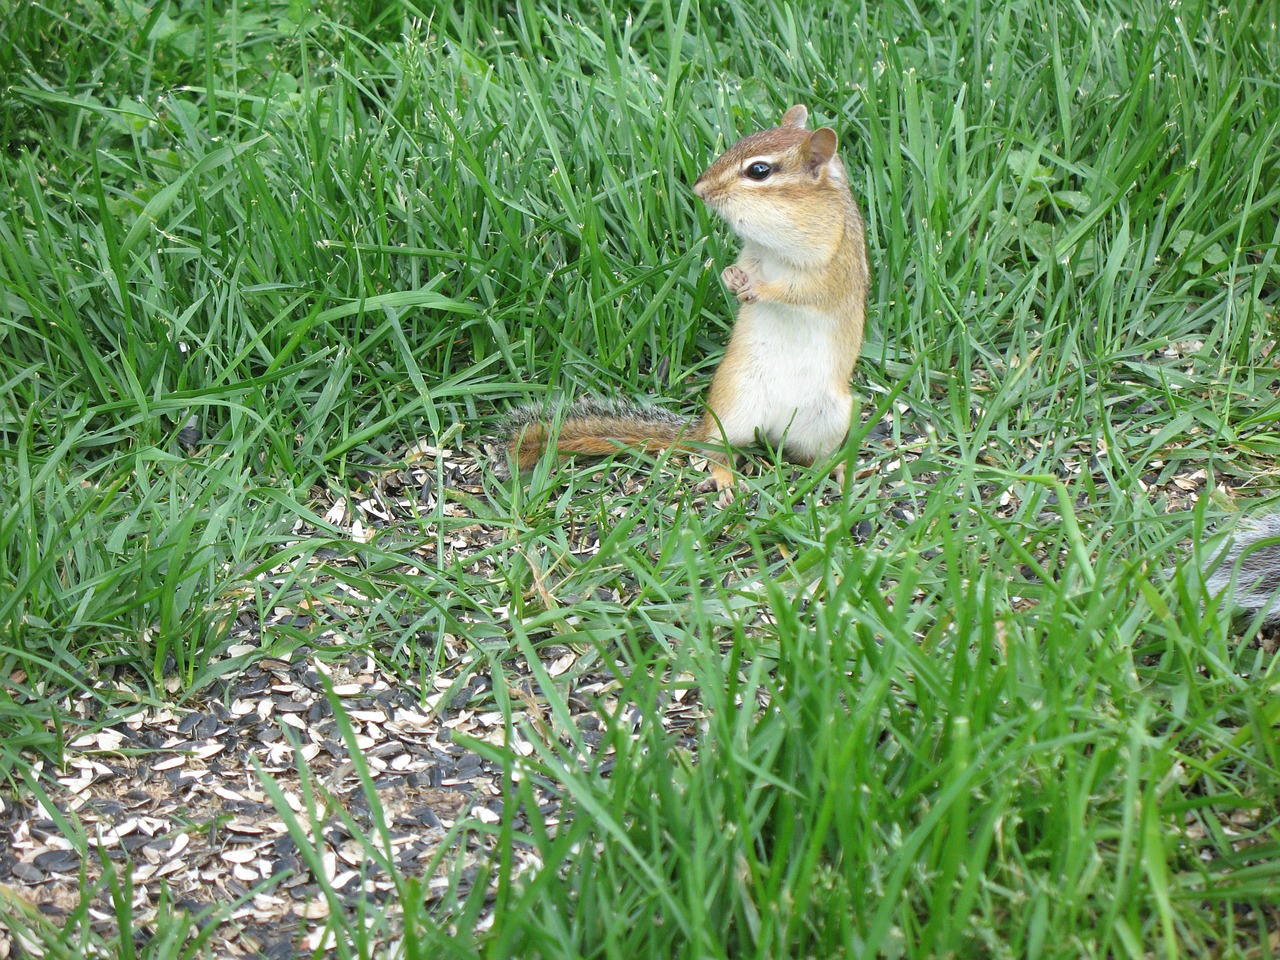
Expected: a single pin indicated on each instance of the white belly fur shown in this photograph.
(792, 391)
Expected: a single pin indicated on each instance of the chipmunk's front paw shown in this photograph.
(739, 283)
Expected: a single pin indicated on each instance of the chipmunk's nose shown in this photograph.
(700, 187)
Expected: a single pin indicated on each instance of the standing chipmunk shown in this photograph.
(801, 285)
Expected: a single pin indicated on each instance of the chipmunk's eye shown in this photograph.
(758, 171)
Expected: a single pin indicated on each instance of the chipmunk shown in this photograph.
(801, 285)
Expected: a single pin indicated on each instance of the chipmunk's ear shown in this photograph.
(796, 116)
(822, 147)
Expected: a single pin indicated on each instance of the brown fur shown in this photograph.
(592, 427)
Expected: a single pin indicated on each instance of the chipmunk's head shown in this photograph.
(783, 188)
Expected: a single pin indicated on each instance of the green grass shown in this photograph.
(972, 708)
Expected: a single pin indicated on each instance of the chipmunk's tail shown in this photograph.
(590, 426)
(1247, 568)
